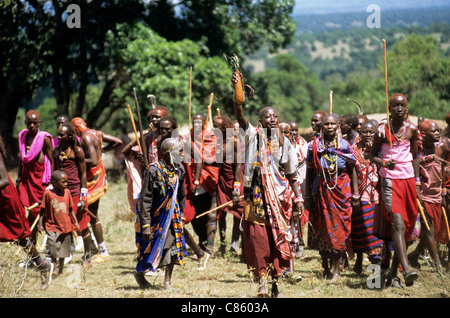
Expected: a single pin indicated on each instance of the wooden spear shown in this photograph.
(218, 207)
(134, 128)
(140, 128)
(423, 215)
(386, 92)
(331, 102)
(446, 221)
(190, 97)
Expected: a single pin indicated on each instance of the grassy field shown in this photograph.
(225, 277)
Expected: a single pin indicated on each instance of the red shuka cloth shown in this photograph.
(13, 221)
(31, 189)
(404, 202)
(225, 189)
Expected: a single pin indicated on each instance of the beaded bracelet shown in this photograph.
(83, 195)
(236, 187)
(427, 159)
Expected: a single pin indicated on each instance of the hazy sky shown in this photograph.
(327, 6)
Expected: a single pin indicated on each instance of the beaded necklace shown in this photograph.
(332, 167)
(63, 155)
(401, 133)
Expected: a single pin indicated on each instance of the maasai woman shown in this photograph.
(159, 213)
(363, 240)
(329, 158)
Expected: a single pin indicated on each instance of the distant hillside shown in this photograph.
(330, 44)
(423, 17)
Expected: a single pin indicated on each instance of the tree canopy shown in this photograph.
(92, 69)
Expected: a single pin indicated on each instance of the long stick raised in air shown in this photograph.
(387, 92)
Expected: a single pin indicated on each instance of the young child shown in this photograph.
(59, 219)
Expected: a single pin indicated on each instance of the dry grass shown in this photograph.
(225, 277)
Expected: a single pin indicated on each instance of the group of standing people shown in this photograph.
(60, 182)
(359, 187)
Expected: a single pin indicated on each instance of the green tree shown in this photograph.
(419, 70)
(46, 52)
(293, 90)
(164, 72)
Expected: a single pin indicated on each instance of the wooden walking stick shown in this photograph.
(140, 128)
(37, 218)
(190, 97)
(134, 127)
(422, 213)
(208, 116)
(386, 92)
(331, 102)
(446, 221)
(218, 207)
(218, 112)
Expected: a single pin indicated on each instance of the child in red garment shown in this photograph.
(59, 219)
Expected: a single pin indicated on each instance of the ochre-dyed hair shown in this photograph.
(33, 112)
(79, 124)
(321, 112)
(163, 109)
(426, 125)
(393, 97)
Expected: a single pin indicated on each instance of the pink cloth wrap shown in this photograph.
(403, 160)
(35, 150)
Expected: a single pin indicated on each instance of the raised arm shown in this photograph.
(238, 107)
(113, 142)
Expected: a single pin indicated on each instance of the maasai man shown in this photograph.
(395, 152)
(301, 147)
(269, 213)
(363, 240)
(92, 144)
(35, 164)
(349, 126)
(203, 172)
(160, 213)
(69, 157)
(446, 141)
(151, 138)
(14, 226)
(317, 121)
(330, 159)
(432, 169)
(361, 120)
(231, 181)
